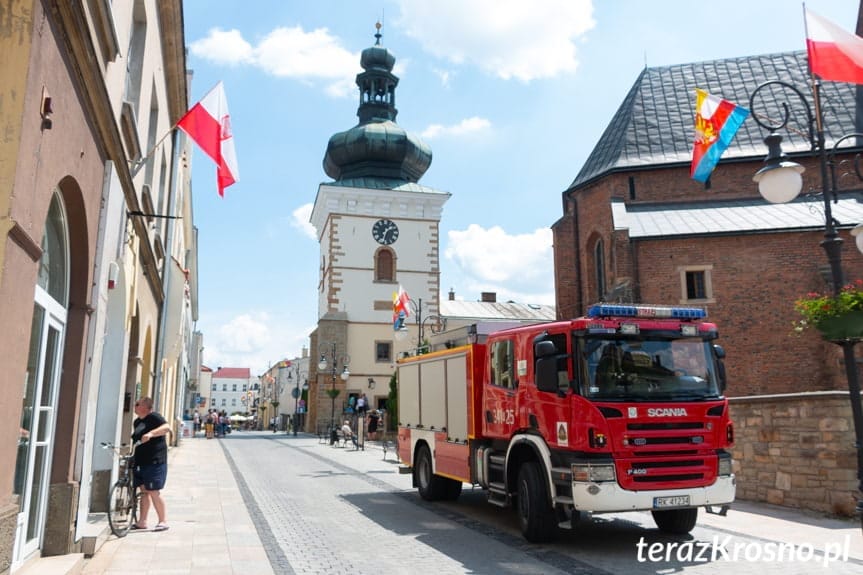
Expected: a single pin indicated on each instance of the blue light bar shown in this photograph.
(645, 311)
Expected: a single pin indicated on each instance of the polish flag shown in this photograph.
(834, 54)
(208, 123)
(400, 303)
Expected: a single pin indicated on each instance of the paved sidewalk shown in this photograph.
(210, 529)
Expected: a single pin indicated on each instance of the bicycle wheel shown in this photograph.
(121, 508)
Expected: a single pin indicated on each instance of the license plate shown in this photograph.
(671, 501)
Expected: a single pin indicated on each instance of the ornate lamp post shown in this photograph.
(296, 394)
(333, 364)
(779, 181)
(278, 385)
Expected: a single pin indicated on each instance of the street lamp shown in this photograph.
(780, 181)
(276, 389)
(401, 332)
(333, 392)
(297, 396)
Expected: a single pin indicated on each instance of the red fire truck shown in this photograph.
(621, 410)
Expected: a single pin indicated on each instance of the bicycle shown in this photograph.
(123, 497)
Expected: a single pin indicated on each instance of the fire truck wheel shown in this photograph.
(452, 488)
(676, 521)
(535, 515)
(430, 486)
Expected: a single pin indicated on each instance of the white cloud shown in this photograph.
(465, 127)
(504, 38)
(224, 46)
(444, 75)
(312, 57)
(517, 267)
(237, 343)
(300, 220)
(248, 340)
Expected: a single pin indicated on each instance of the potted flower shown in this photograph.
(837, 317)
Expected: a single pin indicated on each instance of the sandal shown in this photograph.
(161, 527)
(136, 527)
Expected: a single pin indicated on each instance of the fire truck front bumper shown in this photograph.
(608, 497)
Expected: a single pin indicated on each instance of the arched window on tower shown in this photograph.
(385, 265)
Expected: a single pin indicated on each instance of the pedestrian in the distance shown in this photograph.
(361, 405)
(151, 461)
(374, 419)
(348, 433)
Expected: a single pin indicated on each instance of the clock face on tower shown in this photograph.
(385, 232)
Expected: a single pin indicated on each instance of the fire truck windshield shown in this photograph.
(679, 369)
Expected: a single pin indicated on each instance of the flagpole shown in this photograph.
(136, 166)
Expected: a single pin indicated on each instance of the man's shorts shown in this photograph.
(151, 477)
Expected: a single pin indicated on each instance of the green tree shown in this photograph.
(393, 403)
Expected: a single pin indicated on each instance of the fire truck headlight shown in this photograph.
(725, 464)
(593, 472)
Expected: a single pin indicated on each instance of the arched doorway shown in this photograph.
(39, 414)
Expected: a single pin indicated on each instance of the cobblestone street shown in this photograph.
(261, 503)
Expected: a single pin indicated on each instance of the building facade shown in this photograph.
(229, 388)
(85, 263)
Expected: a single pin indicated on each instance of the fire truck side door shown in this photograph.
(499, 394)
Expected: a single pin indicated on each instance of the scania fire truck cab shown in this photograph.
(620, 410)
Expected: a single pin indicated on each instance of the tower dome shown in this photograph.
(377, 146)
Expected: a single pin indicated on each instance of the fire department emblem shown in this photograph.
(562, 433)
(632, 412)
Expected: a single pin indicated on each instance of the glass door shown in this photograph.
(41, 385)
(36, 432)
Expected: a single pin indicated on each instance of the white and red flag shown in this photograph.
(834, 54)
(208, 123)
(400, 308)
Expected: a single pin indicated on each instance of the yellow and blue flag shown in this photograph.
(716, 123)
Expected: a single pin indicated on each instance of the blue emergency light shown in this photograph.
(645, 311)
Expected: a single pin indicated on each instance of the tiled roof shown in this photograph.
(655, 123)
(233, 373)
(496, 310)
(731, 217)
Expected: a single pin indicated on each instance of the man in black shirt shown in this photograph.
(151, 461)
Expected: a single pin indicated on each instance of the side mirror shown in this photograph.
(544, 349)
(546, 366)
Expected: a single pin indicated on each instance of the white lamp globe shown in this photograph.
(781, 183)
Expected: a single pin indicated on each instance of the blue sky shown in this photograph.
(511, 96)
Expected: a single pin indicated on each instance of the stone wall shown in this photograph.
(796, 450)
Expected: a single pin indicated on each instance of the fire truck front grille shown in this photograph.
(661, 464)
(663, 441)
(665, 478)
(665, 426)
(664, 453)
(692, 471)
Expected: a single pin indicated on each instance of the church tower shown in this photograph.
(378, 229)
